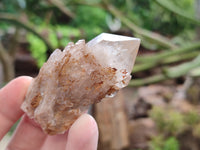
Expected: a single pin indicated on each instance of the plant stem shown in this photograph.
(149, 80)
(173, 59)
(12, 49)
(61, 6)
(154, 37)
(181, 57)
(8, 66)
(168, 73)
(176, 10)
(26, 25)
(143, 67)
(160, 56)
(182, 69)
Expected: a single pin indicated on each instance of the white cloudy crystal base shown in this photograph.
(80, 75)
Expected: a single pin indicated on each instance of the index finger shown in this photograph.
(11, 98)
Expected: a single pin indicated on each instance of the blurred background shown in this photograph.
(160, 110)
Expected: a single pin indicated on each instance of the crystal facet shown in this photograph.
(80, 75)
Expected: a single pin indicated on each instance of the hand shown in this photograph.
(83, 135)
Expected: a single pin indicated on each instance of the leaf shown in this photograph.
(171, 144)
(38, 49)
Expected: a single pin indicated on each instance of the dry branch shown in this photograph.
(7, 63)
(60, 5)
(26, 25)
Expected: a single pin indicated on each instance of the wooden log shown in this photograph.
(112, 122)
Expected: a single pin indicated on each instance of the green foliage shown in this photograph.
(53, 38)
(38, 49)
(90, 20)
(171, 144)
(171, 122)
(174, 122)
(160, 143)
(37, 11)
(168, 121)
(4, 26)
(192, 118)
(10, 6)
(66, 34)
(156, 143)
(158, 115)
(171, 7)
(143, 13)
(59, 36)
(186, 36)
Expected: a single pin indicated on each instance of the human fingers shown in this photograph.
(11, 98)
(55, 142)
(83, 134)
(27, 136)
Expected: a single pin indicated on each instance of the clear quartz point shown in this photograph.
(116, 51)
(80, 75)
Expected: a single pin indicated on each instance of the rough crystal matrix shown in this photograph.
(80, 75)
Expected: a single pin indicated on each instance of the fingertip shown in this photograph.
(21, 79)
(18, 83)
(89, 123)
(86, 120)
(25, 80)
(83, 134)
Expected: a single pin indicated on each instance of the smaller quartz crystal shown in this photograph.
(80, 75)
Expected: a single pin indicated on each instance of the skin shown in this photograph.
(82, 135)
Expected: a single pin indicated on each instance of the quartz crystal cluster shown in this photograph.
(80, 75)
